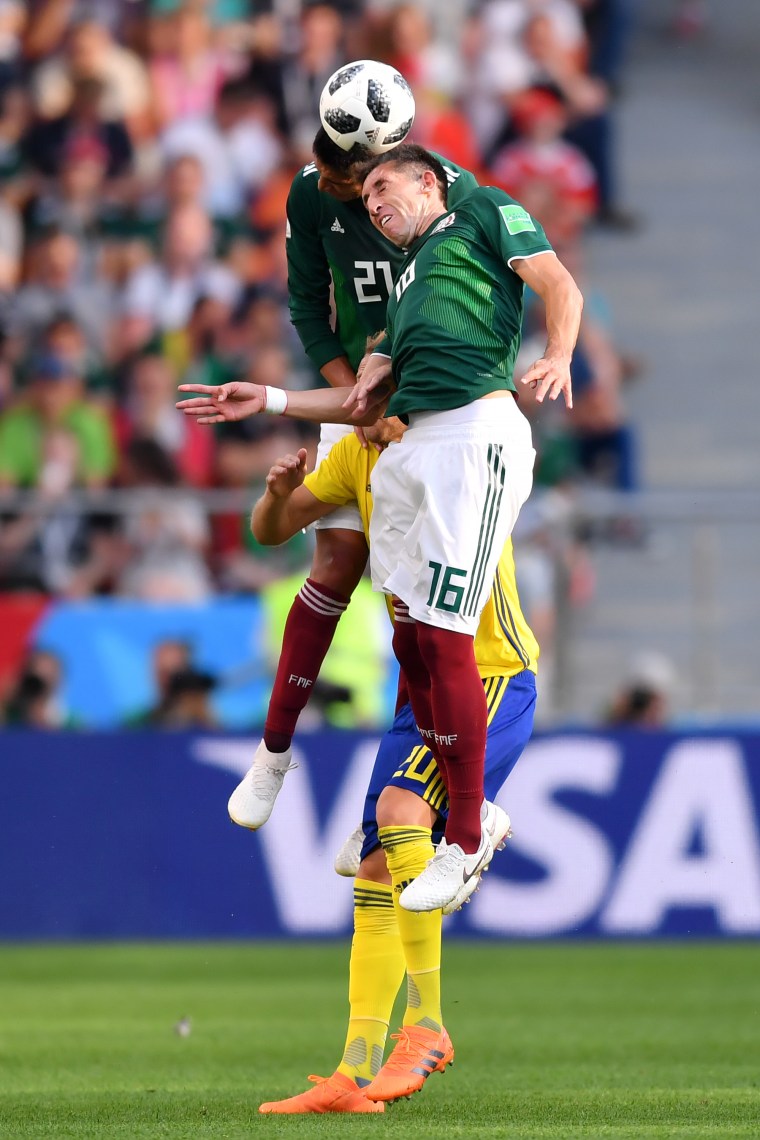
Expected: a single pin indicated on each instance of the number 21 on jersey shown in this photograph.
(368, 276)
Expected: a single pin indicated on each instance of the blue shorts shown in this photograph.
(404, 761)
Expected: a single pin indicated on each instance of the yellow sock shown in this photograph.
(376, 972)
(407, 850)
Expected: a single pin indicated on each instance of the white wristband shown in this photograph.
(276, 401)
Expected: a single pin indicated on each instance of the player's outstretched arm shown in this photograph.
(547, 276)
(224, 403)
(286, 506)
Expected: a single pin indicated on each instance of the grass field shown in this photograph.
(551, 1040)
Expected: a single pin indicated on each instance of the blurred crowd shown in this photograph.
(146, 152)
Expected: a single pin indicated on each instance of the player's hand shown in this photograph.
(287, 474)
(362, 437)
(550, 376)
(374, 382)
(223, 403)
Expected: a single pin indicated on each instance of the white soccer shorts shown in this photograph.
(445, 500)
(342, 518)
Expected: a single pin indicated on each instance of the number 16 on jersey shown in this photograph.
(445, 593)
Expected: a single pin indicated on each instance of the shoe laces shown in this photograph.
(407, 1048)
(336, 1089)
(442, 864)
(264, 779)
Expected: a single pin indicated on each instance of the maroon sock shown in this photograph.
(417, 677)
(460, 715)
(309, 631)
(402, 693)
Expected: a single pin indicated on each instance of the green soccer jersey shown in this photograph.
(332, 243)
(455, 314)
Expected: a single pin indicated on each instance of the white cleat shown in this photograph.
(449, 879)
(250, 805)
(349, 857)
(496, 827)
(497, 823)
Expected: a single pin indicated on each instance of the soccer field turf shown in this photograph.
(551, 1041)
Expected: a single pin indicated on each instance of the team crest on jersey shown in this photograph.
(337, 228)
(517, 219)
(445, 223)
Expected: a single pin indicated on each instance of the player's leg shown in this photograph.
(510, 709)
(401, 751)
(401, 808)
(376, 971)
(511, 705)
(377, 962)
(455, 517)
(339, 561)
(340, 557)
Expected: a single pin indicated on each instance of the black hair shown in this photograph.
(414, 158)
(331, 155)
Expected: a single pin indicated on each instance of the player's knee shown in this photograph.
(339, 560)
(398, 807)
(439, 647)
(373, 867)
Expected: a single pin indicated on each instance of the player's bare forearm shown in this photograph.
(338, 373)
(274, 521)
(550, 375)
(564, 305)
(220, 403)
(286, 506)
(271, 524)
(325, 406)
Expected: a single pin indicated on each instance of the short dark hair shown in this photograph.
(415, 159)
(333, 156)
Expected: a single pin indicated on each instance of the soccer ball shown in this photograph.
(369, 103)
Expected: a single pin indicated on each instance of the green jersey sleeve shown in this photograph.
(461, 182)
(309, 273)
(509, 226)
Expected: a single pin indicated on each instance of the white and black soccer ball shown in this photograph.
(369, 103)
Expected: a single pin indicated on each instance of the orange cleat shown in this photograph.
(329, 1094)
(419, 1053)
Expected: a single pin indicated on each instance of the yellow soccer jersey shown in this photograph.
(504, 642)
